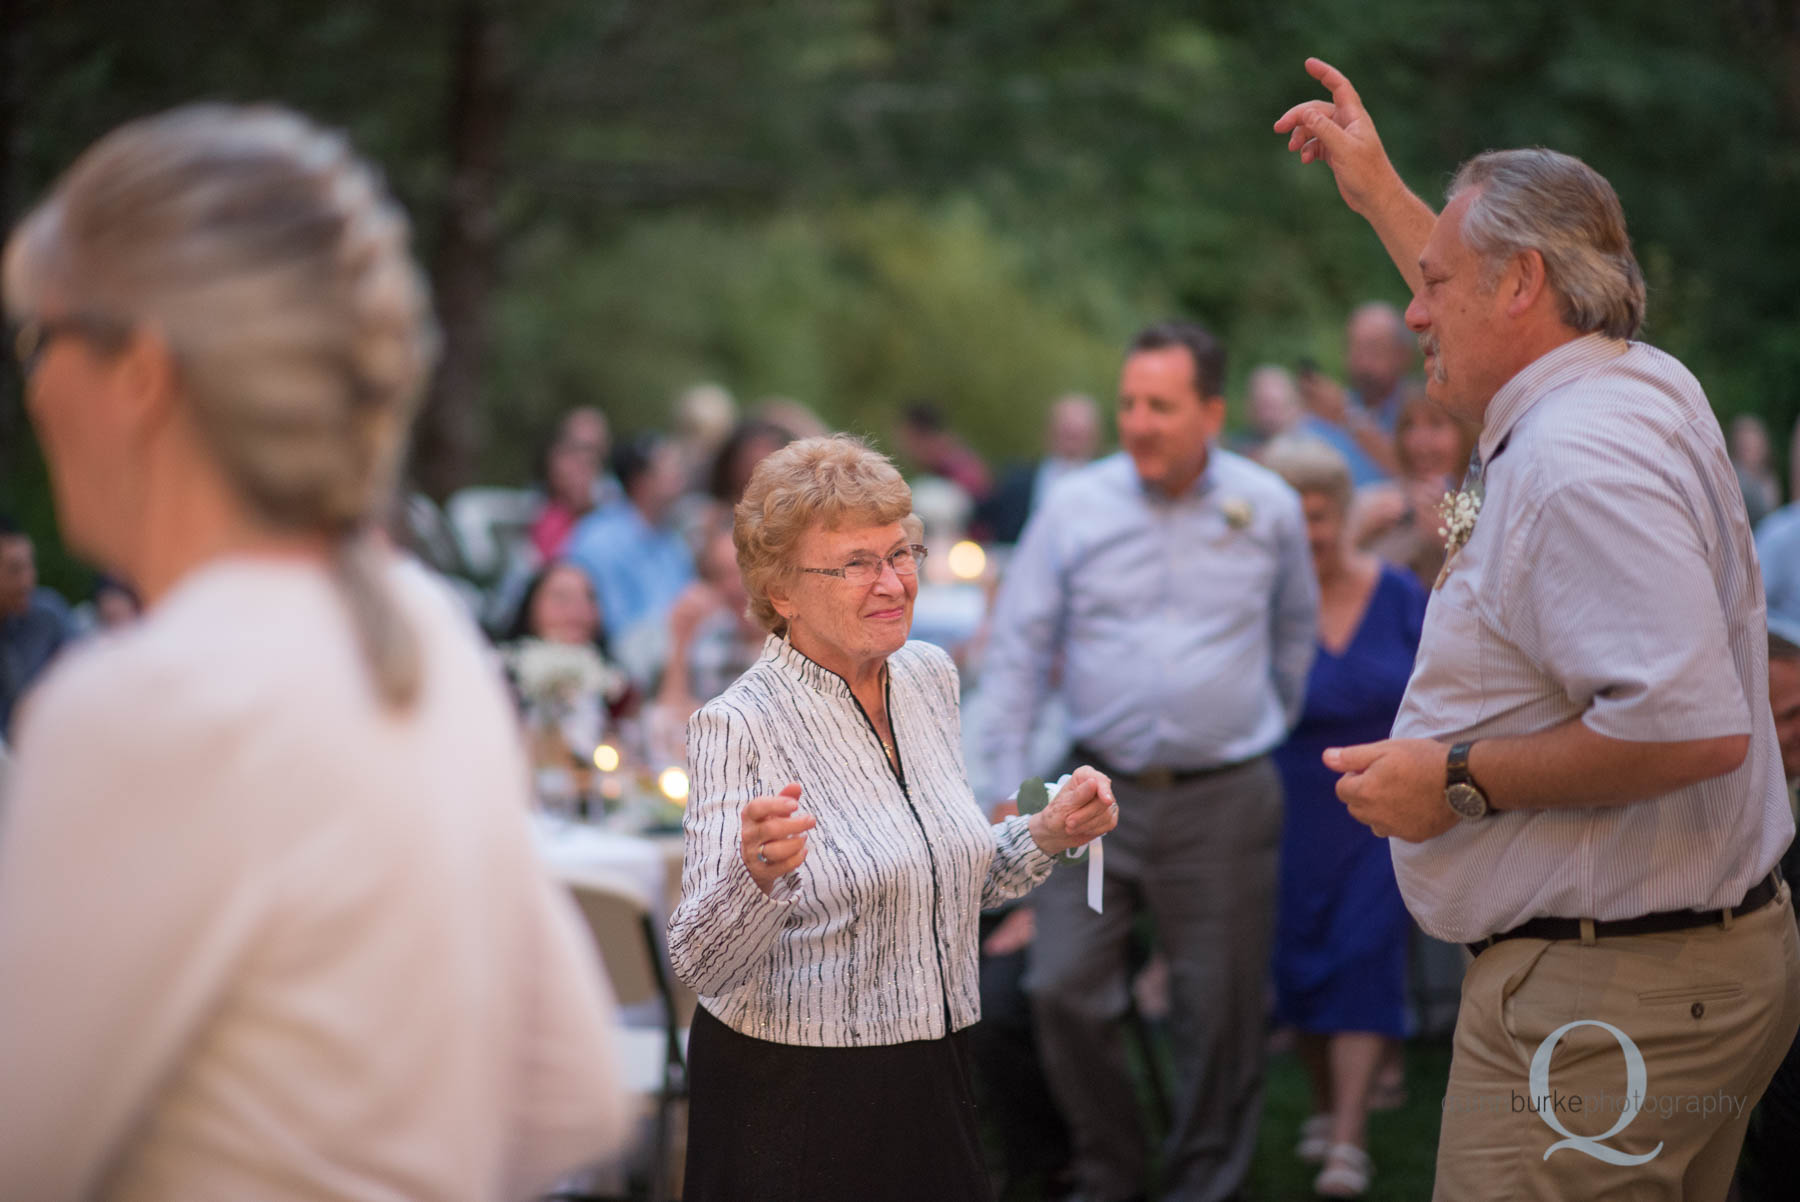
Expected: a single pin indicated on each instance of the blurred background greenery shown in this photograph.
(858, 203)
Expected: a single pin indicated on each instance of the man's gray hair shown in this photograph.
(1557, 205)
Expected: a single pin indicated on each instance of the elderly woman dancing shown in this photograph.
(837, 863)
(271, 923)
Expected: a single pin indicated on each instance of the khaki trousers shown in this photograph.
(1653, 1108)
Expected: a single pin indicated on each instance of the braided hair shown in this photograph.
(275, 264)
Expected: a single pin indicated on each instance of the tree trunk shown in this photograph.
(12, 59)
(464, 261)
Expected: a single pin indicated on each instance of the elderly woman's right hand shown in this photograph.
(1082, 810)
(773, 836)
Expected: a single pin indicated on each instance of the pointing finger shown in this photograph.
(1342, 93)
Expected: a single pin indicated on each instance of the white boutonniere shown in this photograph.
(1238, 512)
(1459, 511)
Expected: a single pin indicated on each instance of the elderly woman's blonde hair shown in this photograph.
(1310, 465)
(832, 483)
(274, 264)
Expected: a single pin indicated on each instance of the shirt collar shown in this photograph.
(808, 672)
(1538, 379)
(1202, 485)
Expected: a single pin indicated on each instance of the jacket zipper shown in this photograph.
(898, 767)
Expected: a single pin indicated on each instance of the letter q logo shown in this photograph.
(1635, 1080)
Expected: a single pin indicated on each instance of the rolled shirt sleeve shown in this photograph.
(725, 926)
(1649, 654)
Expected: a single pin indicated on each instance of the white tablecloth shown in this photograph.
(570, 847)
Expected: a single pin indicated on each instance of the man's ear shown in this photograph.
(1526, 281)
(1216, 411)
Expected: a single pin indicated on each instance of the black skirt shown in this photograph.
(771, 1121)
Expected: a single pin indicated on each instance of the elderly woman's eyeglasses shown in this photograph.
(866, 569)
(32, 338)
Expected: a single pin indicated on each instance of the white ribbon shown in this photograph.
(1096, 862)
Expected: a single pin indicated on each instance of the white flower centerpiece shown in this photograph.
(564, 690)
(559, 674)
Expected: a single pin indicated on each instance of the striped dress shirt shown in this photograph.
(1611, 576)
(872, 939)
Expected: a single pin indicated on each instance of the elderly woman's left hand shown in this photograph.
(1082, 810)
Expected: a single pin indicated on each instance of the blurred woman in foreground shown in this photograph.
(270, 914)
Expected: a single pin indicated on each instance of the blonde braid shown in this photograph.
(276, 264)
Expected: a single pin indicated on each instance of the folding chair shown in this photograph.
(653, 1059)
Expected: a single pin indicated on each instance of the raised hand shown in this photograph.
(1082, 811)
(1340, 133)
(772, 836)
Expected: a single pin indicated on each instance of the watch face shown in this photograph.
(1466, 800)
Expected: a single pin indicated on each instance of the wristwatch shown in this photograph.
(1461, 793)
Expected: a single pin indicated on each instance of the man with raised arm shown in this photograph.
(1584, 782)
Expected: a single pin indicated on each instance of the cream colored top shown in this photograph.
(262, 939)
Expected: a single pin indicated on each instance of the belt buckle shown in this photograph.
(1156, 778)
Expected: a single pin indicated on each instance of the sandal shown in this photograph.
(1315, 1139)
(1346, 1175)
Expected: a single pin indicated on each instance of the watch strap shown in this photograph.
(1456, 767)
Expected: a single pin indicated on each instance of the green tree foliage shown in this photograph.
(859, 202)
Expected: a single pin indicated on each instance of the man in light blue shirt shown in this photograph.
(1778, 551)
(638, 562)
(1171, 587)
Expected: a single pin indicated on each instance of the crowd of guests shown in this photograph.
(630, 557)
(256, 969)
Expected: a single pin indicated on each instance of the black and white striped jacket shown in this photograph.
(872, 940)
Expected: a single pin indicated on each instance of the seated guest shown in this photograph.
(559, 607)
(272, 925)
(1399, 519)
(837, 863)
(34, 622)
(713, 639)
(638, 561)
(748, 444)
(1341, 928)
(569, 473)
(555, 655)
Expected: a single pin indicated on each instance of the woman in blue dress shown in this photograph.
(1341, 931)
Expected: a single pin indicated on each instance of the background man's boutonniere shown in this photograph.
(1459, 511)
(1237, 512)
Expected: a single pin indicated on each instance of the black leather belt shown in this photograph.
(1760, 895)
(1151, 778)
